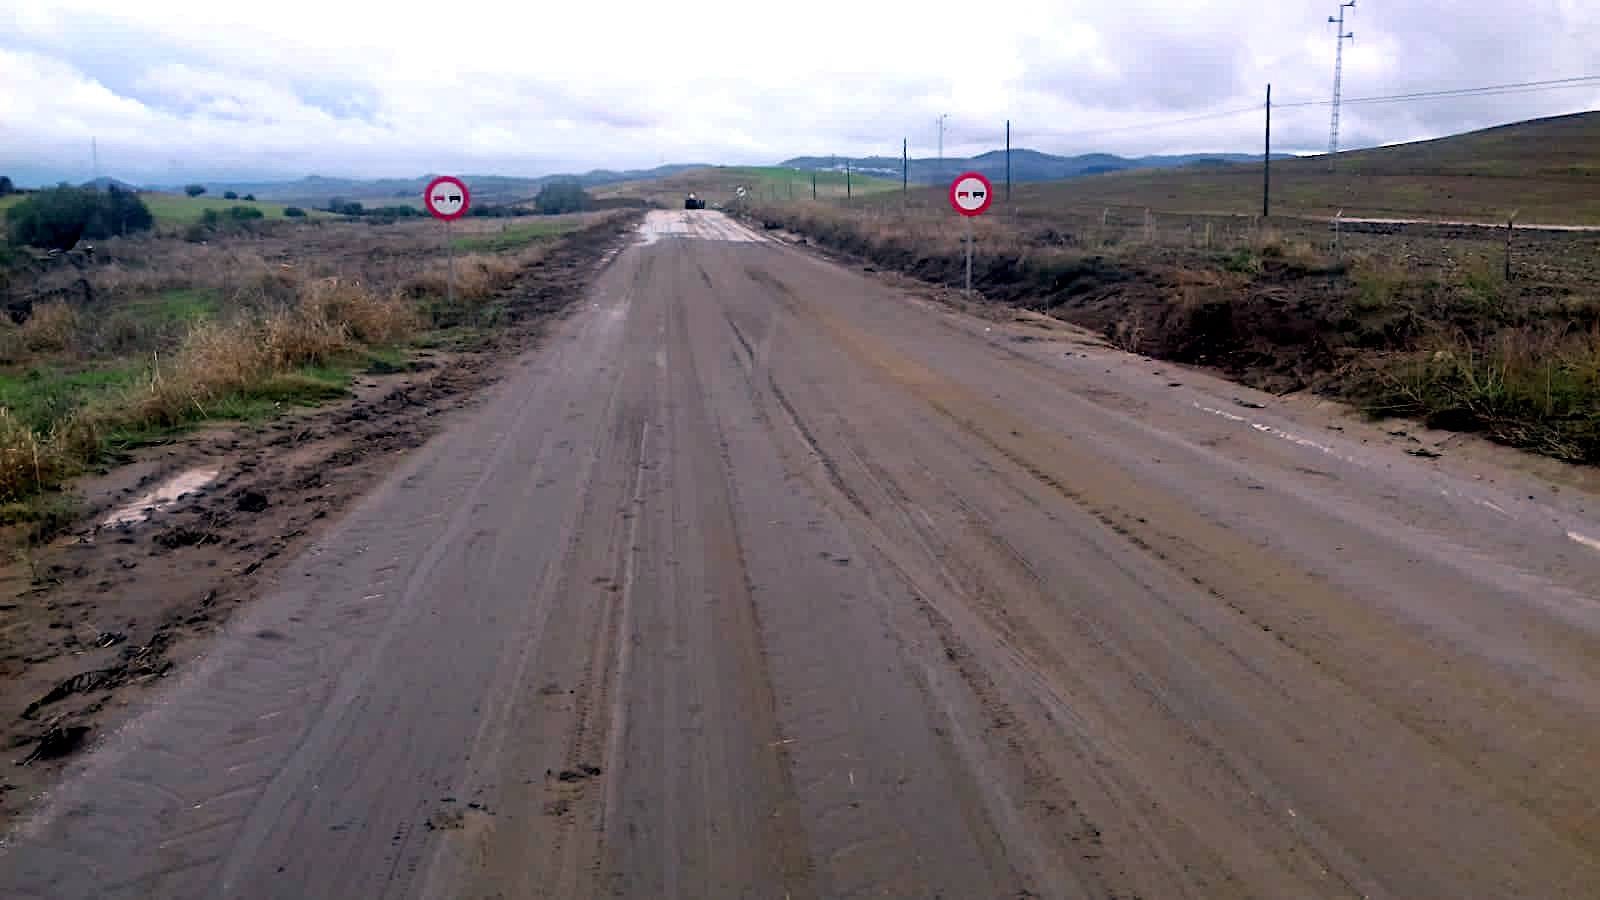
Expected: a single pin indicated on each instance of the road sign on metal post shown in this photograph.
(448, 199)
(970, 195)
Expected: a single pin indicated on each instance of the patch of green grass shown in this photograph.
(385, 361)
(308, 386)
(1538, 389)
(1377, 288)
(39, 397)
(1243, 261)
(45, 515)
(180, 209)
(776, 182)
(179, 306)
(515, 236)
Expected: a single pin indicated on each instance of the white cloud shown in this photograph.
(203, 88)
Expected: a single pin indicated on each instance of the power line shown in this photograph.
(1160, 124)
(1488, 90)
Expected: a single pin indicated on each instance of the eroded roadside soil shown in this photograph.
(95, 618)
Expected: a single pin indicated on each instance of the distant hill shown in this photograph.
(105, 182)
(317, 190)
(1547, 170)
(1026, 165)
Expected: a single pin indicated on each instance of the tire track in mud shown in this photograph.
(745, 629)
(1309, 614)
(1005, 734)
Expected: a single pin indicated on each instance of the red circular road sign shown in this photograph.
(447, 198)
(971, 194)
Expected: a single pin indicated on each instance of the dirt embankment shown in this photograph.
(92, 617)
(1423, 324)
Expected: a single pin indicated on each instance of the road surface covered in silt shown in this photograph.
(763, 578)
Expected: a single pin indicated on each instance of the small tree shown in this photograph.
(120, 213)
(230, 195)
(6, 187)
(195, 190)
(345, 207)
(561, 197)
(58, 218)
(250, 197)
(294, 212)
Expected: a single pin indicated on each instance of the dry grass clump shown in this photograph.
(49, 329)
(27, 460)
(478, 276)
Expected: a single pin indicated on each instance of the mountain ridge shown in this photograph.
(1026, 164)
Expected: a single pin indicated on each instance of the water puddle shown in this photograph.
(705, 226)
(164, 495)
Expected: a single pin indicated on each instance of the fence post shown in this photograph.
(1511, 224)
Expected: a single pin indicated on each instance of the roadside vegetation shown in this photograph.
(1414, 321)
(234, 317)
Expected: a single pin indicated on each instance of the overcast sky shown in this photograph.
(175, 91)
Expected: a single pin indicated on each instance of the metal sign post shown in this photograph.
(447, 199)
(970, 196)
(968, 290)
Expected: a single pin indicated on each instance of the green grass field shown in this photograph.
(180, 209)
(181, 306)
(515, 236)
(40, 396)
(719, 185)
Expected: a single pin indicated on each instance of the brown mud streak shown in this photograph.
(1045, 798)
(746, 638)
(1220, 562)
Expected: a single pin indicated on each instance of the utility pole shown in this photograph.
(1338, 78)
(1008, 164)
(847, 179)
(1266, 163)
(905, 167)
(813, 184)
(942, 117)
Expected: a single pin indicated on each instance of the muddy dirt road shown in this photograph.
(763, 578)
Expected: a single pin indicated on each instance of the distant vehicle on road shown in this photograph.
(693, 202)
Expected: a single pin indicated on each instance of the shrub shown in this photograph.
(195, 190)
(230, 195)
(245, 213)
(250, 197)
(6, 187)
(27, 461)
(58, 218)
(294, 212)
(368, 317)
(559, 197)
